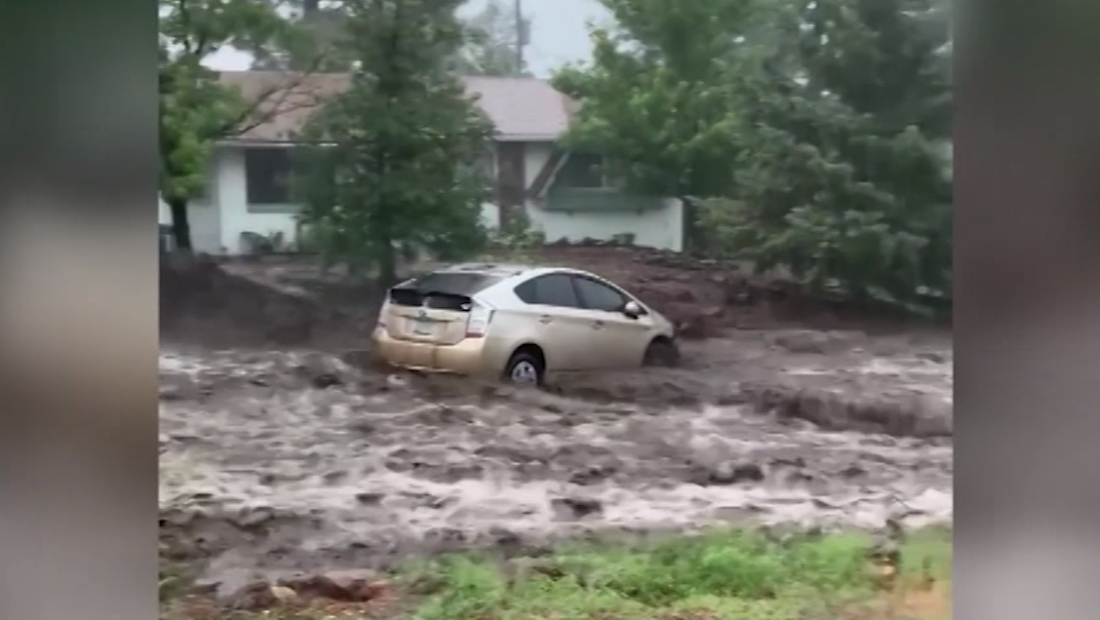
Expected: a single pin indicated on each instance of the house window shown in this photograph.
(267, 175)
(583, 171)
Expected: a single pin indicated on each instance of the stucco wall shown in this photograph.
(657, 228)
(202, 215)
(536, 154)
(233, 200)
(220, 225)
(236, 218)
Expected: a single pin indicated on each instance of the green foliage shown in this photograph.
(471, 590)
(194, 112)
(517, 235)
(316, 43)
(392, 164)
(656, 99)
(847, 186)
(195, 109)
(311, 40)
(491, 45)
(816, 135)
(728, 574)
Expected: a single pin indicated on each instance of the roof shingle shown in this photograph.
(522, 109)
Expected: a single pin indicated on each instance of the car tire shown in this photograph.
(525, 368)
(662, 352)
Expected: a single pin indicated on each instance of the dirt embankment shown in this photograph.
(203, 304)
(705, 297)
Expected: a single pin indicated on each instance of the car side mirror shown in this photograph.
(633, 309)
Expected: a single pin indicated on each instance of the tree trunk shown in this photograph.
(387, 265)
(181, 226)
(691, 243)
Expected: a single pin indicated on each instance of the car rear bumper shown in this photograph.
(471, 357)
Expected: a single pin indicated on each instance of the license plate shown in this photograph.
(423, 328)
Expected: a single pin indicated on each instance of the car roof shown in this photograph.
(500, 270)
(510, 270)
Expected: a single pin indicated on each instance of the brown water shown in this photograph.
(261, 468)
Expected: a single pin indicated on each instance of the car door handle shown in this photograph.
(545, 319)
(597, 325)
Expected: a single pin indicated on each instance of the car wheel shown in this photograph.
(525, 369)
(661, 352)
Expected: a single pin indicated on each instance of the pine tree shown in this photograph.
(394, 161)
(848, 184)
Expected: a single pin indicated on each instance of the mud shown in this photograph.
(293, 458)
(705, 297)
(205, 303)
(263, 469)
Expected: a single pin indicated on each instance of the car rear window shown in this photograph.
(442, 289)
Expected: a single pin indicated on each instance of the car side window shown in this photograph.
(550, 290)
(599, 296)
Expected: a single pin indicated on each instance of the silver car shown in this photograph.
(519, 323)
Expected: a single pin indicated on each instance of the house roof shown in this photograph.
(522, 109)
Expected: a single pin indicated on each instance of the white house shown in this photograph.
(561, 193)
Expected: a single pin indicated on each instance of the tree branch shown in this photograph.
(185, 23)
(264, 108)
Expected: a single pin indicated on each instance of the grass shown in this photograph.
(723, 575)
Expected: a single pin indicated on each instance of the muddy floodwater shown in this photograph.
(284, 460)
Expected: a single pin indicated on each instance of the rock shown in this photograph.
(346, 586)
(284, 595)
(570, 508)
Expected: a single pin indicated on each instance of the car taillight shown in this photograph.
(477, 321)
